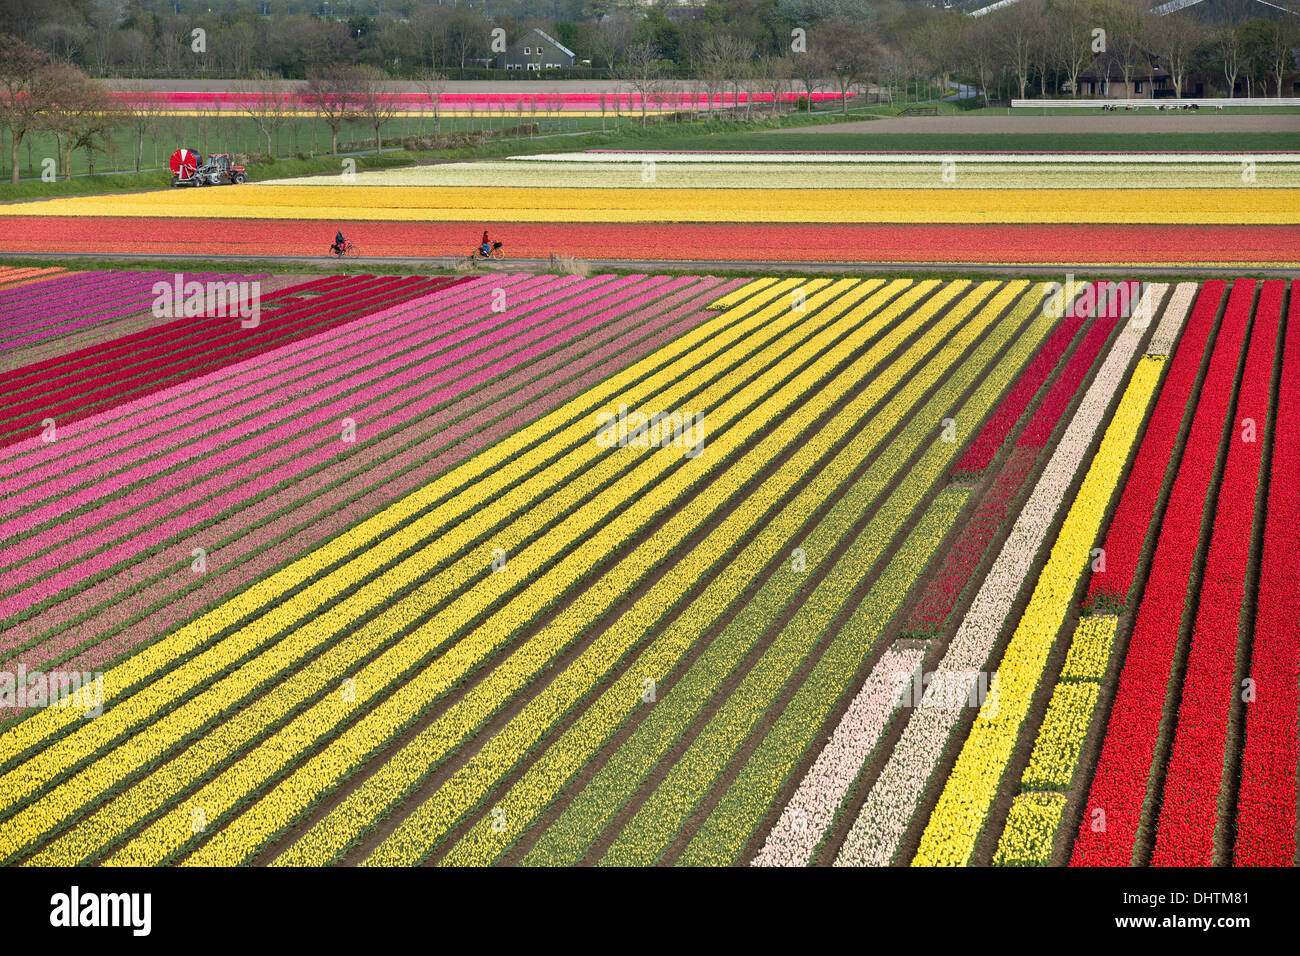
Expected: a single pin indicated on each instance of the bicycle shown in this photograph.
(496, 253)
(349, 249)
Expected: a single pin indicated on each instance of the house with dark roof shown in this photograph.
(535, 50)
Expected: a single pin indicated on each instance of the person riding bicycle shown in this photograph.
(485, 247)
(339, 243)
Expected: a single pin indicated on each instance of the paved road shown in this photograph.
(702, 266)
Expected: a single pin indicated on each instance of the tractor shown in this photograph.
(189, 169)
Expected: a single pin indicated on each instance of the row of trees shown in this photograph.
(39, 93)
(1042, 42)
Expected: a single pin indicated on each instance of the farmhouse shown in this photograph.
(535, 50)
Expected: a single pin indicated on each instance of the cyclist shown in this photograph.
(485, 247)
(339, 243)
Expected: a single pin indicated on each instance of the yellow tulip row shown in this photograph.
(618, 779)
(1056, 750)
(463, 490)
(423, 829)
(1090, 648)
(661, 816)
(567, 840)
(427, 825)
(1029, 835)
(937, 204)
(600, 535)
(737, 296)
(100, 777)
(955, 825)
(1031, 829)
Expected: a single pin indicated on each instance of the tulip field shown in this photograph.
(1003, 209)
(635, 569)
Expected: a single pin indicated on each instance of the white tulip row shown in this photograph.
(1162, 342)
(805, 819)
(884, 819)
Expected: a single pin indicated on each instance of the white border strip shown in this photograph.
(885, 159)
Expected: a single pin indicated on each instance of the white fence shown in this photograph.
(1148, 104)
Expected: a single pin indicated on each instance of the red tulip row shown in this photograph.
(1007, 243)
(994, 433)
(1189, 811)
(1128, 526)
(102, 376)
(1266, 802)
(1113, 813)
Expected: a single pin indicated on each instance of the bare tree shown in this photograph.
(141, 113)
(265, 99)
(777, 73)
(81, 114)
(1126, 41)
(1071, 28)
(1282, 36)
(643, 73)
(1227, 43)
(28, 82)
(334, 91)
(979, 51)
(712, 65)
(850, 54)
(1175, 40)
(809, 68)
(936, 45)
(1021, 33)
(374, 103)
(433, 85)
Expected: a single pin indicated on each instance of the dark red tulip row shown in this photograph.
(1049, 412)
(31, 373)
(994, 433)
(1190, 805)
(102, 376)
(1266, 802)
(936, 602)
(1119, 785)
(1128, 526)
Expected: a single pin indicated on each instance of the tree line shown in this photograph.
(1045, 44)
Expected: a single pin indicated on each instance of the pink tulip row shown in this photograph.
(268, 533)
(116, 430)
(94, 477)
(87, 305)
(148, 430)
(803, 823)
(227, 475)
